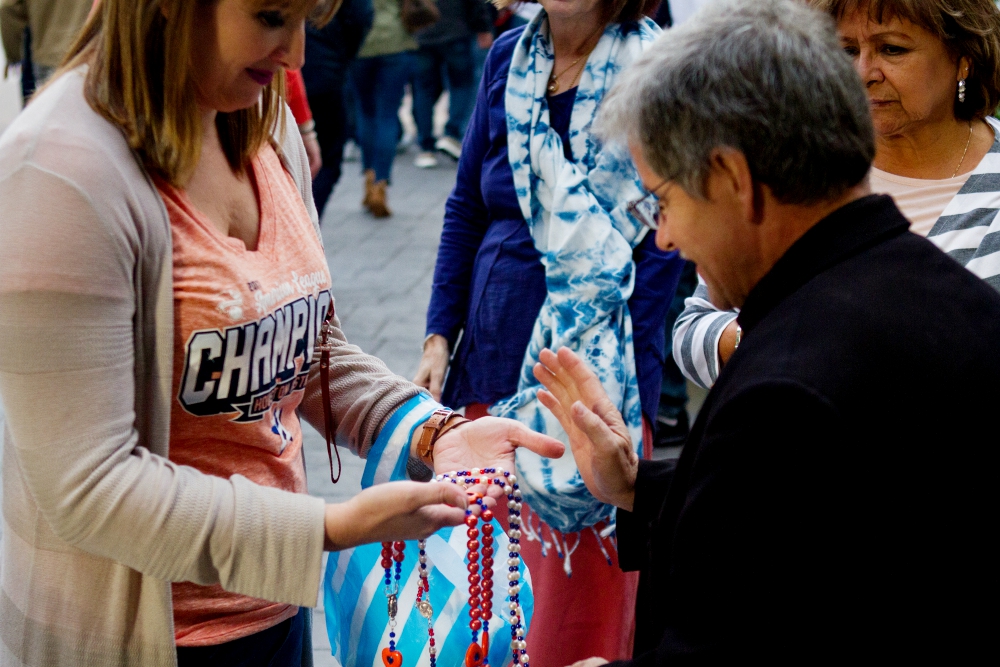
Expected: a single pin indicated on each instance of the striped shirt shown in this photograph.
(968, 231)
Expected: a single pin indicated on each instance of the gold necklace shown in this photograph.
(967, 142)
(554, 80)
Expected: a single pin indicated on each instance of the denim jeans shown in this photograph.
(452, 61)
(379, 83)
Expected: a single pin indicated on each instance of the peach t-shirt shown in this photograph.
(245, 324)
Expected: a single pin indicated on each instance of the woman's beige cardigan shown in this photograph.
(97, 520)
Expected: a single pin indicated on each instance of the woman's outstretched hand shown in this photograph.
(394, 511)
(597, 433)
(490, 442)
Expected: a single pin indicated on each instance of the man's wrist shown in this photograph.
(626, 498)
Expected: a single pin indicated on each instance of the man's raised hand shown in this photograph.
(597, 433)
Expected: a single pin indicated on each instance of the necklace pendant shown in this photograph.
(553, 85)
(392, 658)
(424, 607)
(393, 606)
(474, 656)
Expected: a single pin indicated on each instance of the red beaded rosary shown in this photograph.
(480, 566)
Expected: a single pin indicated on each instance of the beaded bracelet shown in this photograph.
(480, 566)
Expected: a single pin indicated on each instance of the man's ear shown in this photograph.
(729, 178)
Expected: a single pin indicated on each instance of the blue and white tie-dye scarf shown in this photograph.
(577, 215)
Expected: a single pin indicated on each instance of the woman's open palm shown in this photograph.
(490, 442)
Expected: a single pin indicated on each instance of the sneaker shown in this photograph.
(449, 146)
(426, 160)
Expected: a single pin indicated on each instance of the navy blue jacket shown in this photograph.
(489, 283)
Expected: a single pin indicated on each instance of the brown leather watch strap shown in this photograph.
(440, 422)
(324, 345)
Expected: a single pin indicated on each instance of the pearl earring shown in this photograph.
(961, 91)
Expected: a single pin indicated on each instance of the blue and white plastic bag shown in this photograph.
(357, 617)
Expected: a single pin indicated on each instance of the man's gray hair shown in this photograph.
(766, 77)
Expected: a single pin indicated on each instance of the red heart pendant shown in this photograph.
(392, 658)
(474, 656)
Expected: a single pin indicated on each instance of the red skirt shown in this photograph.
(588, 613)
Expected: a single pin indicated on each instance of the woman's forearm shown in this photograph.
(697, 335)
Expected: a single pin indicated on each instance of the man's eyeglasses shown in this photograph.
(651, 221)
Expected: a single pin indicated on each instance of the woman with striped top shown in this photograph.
(932, 71)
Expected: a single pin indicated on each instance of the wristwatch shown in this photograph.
(739, 336)
(440, 422)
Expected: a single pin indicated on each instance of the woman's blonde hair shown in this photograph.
(140, 79)
(616, 11)
(969, 28)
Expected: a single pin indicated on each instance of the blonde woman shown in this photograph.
(162, 282)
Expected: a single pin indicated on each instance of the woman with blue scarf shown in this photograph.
(540, 248)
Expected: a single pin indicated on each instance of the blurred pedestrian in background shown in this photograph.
(330, 50)
(932, 72)
(445, 61)
(384, 65)
(540, 247)
(38, 34)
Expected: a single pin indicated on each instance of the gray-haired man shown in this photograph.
(832, 502)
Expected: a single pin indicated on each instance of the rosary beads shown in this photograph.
(481, 581)
(392, 557)
(480, 567)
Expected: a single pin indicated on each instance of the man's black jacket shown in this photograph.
(837, 498)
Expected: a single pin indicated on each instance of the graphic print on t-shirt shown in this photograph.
(245, 368)
(245, 326)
